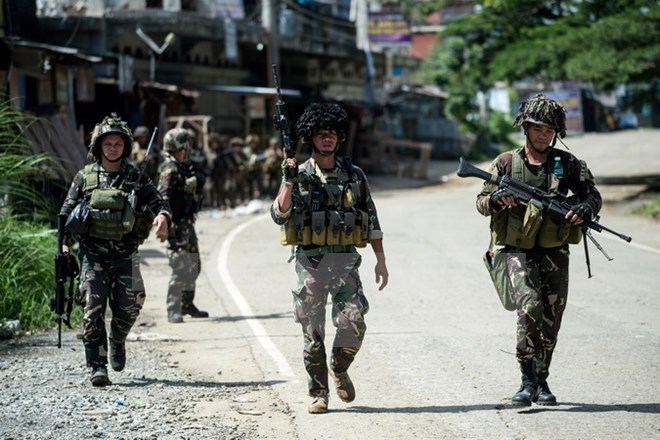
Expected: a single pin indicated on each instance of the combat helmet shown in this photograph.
(110, 124)
(322, 116)
(177, 139)
(539, 109)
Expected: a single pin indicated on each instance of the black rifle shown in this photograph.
(281, 122)
(66, 267)
(554, 206)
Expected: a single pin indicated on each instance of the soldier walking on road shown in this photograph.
(123, 204)
(326, 211)
(183, 188)
(536, 246)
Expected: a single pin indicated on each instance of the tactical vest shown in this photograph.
(111, 208)
(525, 227)
(326, 208)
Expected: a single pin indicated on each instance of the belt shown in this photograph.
(312, 250)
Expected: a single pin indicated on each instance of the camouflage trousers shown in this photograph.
(108, 280)
(540, 285)
(184, 259)
(335, 275)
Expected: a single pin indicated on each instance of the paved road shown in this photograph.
(437, 361)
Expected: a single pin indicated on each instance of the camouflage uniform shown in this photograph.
(538, 272)
(334, 271)
(110, 270)
(182, 187)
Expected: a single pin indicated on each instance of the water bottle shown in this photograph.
(558, 169)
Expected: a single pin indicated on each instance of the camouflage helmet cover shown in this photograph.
(539, 109)
(110, 124)
(177, 139)
(322, 116)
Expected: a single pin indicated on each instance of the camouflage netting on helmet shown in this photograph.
(176, 139)
(539, 109)
(321, 116)
(110, 124)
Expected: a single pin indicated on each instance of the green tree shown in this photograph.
(604, 42)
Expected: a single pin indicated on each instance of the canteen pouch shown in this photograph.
(347, 233)
(318, 228)
(127, 218)
(495, 261)
(107, 198)
(78, 221)
(334, 228)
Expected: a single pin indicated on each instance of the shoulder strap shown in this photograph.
(91, 177)
(516, 165)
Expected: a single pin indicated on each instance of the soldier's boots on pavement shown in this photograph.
(174, 317)
(319, 403)
(193, 311)
(343, 385)
(99, 377)
(528, 387)
(117, 355)
(544, 396)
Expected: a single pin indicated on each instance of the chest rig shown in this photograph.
(328, 208)
(111, 213)
(526, 226)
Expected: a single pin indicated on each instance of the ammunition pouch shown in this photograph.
(110, 214)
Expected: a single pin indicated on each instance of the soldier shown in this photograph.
(183, 188)
(325, 209)
(139, 153)
(122, 205)
(536, 246)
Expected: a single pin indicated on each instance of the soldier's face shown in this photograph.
(325, 140)
(541, 136)
(112, 146)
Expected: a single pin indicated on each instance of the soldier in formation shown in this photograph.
(182, 185)
(535, 245)
(325, 210)
(111, 207)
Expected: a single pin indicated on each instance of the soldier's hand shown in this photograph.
(289, 170)
(382, 276)
(501, 198)
(579, 213)
(160, 222)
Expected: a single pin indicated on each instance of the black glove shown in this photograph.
(583, 211)
(289, 174)
(498, 195)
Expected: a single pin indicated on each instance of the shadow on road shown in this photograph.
(652, 408)
(147, 381)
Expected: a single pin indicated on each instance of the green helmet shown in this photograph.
(539, 109)
(177, 139)
(110, 124)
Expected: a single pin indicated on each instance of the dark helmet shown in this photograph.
(322, 116)
(177, 139)
(110, 124)
(539, 109)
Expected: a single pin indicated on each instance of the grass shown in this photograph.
(650, 208)
(27, 269)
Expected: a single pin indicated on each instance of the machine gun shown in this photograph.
(66, 267)
(554, 206)
(281, 123)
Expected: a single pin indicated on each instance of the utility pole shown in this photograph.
(155, 49)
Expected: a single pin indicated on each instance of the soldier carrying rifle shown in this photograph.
(535, 245)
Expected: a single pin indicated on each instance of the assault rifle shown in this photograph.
(66, 267)
(281, 123)
(554, 206)
(129, 221)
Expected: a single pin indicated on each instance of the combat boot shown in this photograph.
(343, 385)
(544, 396)
(174, 317)
(320, 403)
(117, 355)
(527, 390)
(99, 377)
(193, 311)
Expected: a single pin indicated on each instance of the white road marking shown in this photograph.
(257, 328)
